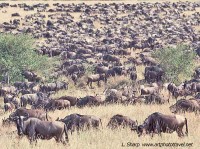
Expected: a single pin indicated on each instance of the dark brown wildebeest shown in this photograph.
(154, 73)
(151, 76)
(101, 69)
(60, 104)
(89, 101)
(184, 105)
(35, 128)
(111, 58)
(79, 122)
(40, 114)
(158, 122)
(121, 121)
(96, 78)
(31, 76)
(73, 100)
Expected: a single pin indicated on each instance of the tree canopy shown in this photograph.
(17, 53)
(177, 62)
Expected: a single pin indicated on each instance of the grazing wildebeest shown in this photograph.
(96, 78)
(156, 98)
(31, 98)
(35, 128)
(79, 122)
(54, 86)
(149, 90)
(101, 69)
(183, 105)
(73, 100)
(158, 122)
(40, 114)
(89, 101)
(113, 96)
(60, 104)
(111, 58)
(121, 121)
(31, 76)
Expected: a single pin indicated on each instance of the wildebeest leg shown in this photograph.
(32, 135)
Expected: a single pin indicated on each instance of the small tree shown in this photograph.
(16, 54)
(177, 62)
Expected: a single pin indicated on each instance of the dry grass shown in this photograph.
(106, 138)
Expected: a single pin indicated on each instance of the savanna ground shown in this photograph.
(105, 138)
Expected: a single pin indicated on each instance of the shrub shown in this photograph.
(177, 62)
(17, 54)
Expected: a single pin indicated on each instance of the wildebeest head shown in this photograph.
(134, 126)
(19, 120)
(173, 109)
(40, 95)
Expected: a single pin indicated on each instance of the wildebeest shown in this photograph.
(101, 69)
(73, 100)
(59, 104)
(158, 122)
(183, 105)
(111, 58)
(89, 101)
(31, 98)
(149, 90)
(121, 121)
(54, 86)
(40, 114)
(81, 122)
(156, 98)
(35, 128)
(8, 90)
(153, 73)
(113, 96)
(96, 78)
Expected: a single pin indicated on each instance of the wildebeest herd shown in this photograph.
(114, 39)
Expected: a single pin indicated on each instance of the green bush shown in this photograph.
(17, 54)
(177, 62)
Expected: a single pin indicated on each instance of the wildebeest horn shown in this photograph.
(136, 122)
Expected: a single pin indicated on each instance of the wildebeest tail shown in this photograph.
(47, 116)
(66, 135)
(186, 126)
